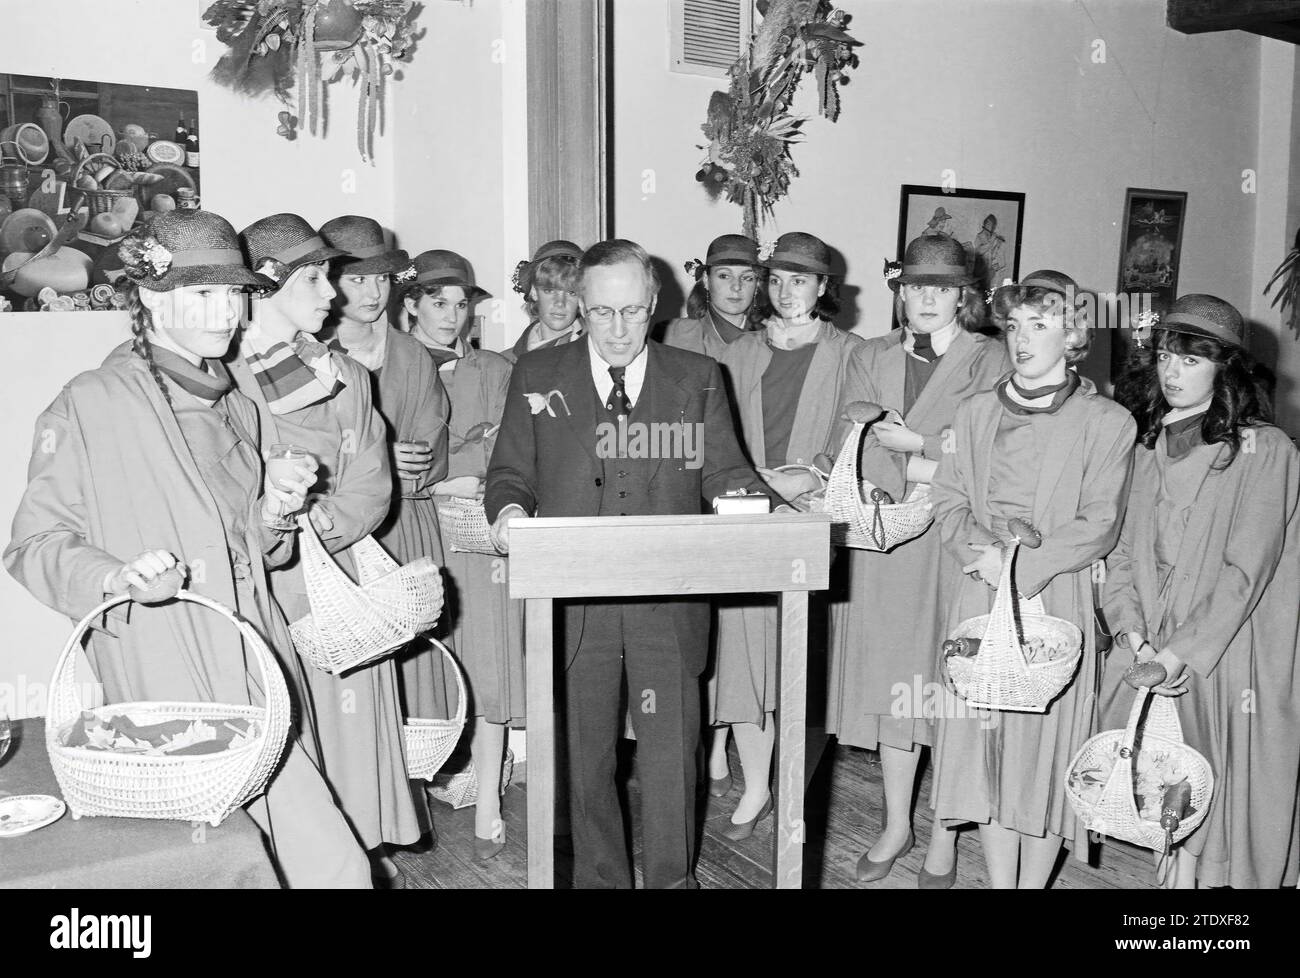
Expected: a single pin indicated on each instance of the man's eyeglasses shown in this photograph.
(631, 315)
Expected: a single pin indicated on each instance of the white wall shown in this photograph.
(1005, 93)
(460, 144)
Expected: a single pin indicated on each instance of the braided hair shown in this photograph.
(131, 251)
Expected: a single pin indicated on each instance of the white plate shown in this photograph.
(165, 151)
(20, 814)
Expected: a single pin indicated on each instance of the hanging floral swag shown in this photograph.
(750, 128)
(277, 45)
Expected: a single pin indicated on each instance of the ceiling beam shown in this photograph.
(1199, 16)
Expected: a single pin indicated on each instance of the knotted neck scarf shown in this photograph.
(292, 375)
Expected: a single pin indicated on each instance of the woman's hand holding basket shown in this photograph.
(1161, 672)
(151, 577)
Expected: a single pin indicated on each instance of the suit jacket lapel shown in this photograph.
(660, 401)
(575, 383)
(951, 364)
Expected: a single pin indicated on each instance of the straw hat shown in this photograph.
(181, 248)
(363, 240)
(1206, 315)
(796, 251)
(276, 245)
(933, 260)
(435, 268)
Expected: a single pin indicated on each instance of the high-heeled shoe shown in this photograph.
(720, 787)
(869, 870)
(485, 849)
(740, 831)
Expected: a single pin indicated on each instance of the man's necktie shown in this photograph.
(923, 348)
(618, 402)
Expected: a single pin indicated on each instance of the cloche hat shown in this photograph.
(1205, 315)
(276, 245)
(181, 248)
(796, 251)
(933, 260)
(434, 268)
(526, 269)
(362, 239)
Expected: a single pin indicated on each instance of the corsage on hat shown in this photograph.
(362, 240)
(181, 248)
(931, 260)
(1206, 315)
(277, 245)
(522, 280)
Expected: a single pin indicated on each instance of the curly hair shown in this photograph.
(972, 311)
(1074, 314)
(556, 272)
(1240, 398)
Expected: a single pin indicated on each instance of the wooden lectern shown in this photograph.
(600, 557)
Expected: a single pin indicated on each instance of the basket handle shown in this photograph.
(460, 682)
(63, 706)
(112, 160)
(1002, 631)
(318, 565)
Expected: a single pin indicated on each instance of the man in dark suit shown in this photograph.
(554, 457)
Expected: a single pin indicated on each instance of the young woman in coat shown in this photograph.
(1206, 581)
(789, 380)
(320, 400)
(151, 461)
(1043, 446)
(717, 310)
(883, 638)
(549, 285)
(486, 626)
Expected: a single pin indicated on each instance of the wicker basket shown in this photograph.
(353, 624)
(464, 525)
(460, 789)
(1115, 813)
(430, 742)
(865, 525)
(194, 788)
(999, 676)
(100, 201)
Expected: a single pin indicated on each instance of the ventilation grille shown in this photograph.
(709, 35)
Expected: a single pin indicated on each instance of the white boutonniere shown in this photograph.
(538, 403)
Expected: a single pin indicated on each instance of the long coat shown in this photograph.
(411, 399)
(1011, 767)
(358, 715)
(111, 476)
(1231, 611)
(742, 688)
(884, 635)
(487, 625)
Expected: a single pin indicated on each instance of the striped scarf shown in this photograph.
(293, 375)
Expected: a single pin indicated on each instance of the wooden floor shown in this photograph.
(843, 815)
